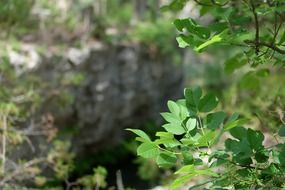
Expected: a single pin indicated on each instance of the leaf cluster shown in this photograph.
(192, 130)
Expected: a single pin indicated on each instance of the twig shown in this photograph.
(20, 170)
(119, 180)
(69, 184)
(4, 142)
(256, 27)
(200, 184)
(271, 46)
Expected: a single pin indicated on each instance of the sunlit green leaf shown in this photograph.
(174, 128)
(140, 133)
(148, 150)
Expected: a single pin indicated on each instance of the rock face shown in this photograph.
(124, 87)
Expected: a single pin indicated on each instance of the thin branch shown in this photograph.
(119, 180)
(271, 46)
(256, 27)
(240, 165)
(20, 170)
(4, 142)
(200, 184)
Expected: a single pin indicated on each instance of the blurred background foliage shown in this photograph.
(52, 26)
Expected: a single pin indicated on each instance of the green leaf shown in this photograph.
(208, 103)
(166, 160)
(215, 39)
(243, 158)
(232, 145)
(202, 32)
(177, 183)
(168, 142)
(233, 117)
(186, 170)
(214, 120)
(207, 138)
(235, 123)
(179, 111)
(219, 154)
(173, 107)
(175, 5)
(207, 172)
(191, 124)
(192, 97)
(171, 118)
(250, 81)
(240, 148)
(164, 134)
(148, 150)
(140, 133)
(234, 63)
(190, 169)
(261, 156)
(188, 158)
(174, 128)
(192, 27)
(180, 24)
(255, 139)
(282, 39)
(281, 131)
(281, 155)
(189, 141)
(238, 132)
(186, 41)
(263, 73)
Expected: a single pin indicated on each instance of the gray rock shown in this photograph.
(124, 87)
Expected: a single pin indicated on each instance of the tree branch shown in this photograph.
(256, 27)
(271, 46)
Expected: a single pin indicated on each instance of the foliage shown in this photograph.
(190, 143)
(97, 180)
(15, 12)
(254, 27)
(159, 34)
(193, 129)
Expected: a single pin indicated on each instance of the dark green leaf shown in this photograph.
(166, 160)
(234, 63)
(238, 132)
(255, 139)
(235, 123)
(215, 39)
(281, 131)
(214, 120)
(208, 103)
(187, 157)
(192, 97)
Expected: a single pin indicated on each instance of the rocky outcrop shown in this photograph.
(124, 87)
